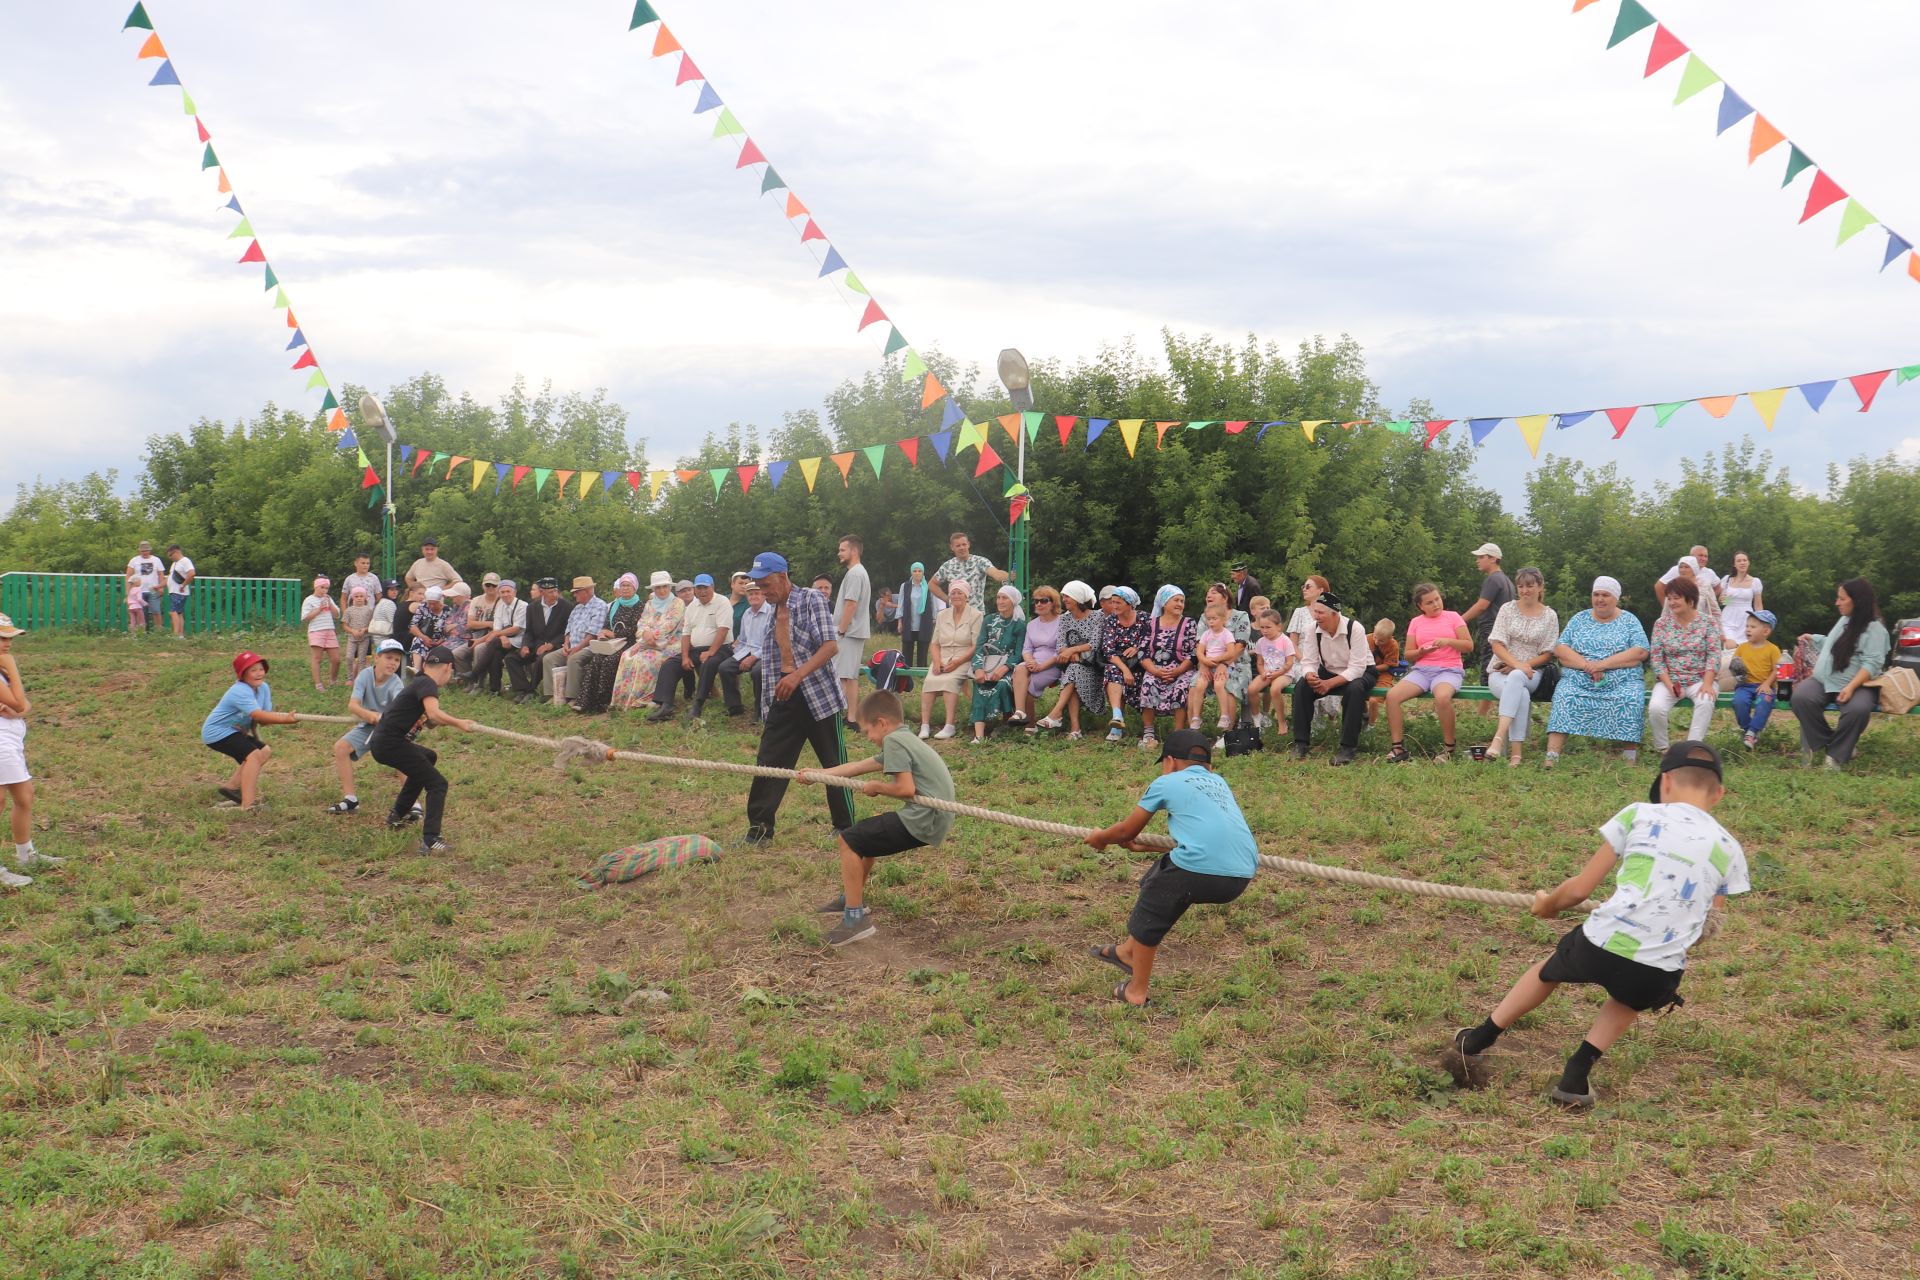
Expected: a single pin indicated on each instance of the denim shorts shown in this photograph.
(1427, 677)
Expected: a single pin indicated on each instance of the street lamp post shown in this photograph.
(1017, 379)
(374, 418)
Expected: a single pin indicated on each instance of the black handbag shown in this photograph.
(1549, 681)
(1244, 738)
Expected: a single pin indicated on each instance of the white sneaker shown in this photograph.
(946, 731)
(37, 859)
(1220, 744)
(925, 732)
(13, 880)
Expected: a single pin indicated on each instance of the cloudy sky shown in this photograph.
(1500, 210)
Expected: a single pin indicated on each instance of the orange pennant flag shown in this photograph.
(931, 392)
(1010, 423)
(1913, 265)
(560, 490)
(1717, 406)
(843, 461)
(664, 43)
(1765, 138)
(1578, 5)
(226, 188)
(452, 463)
(794, 207)
(686, 477)
(1767, 403)
(338, 422)
(153, 48)
(291, 322)
(988, 460)
(1160, 433)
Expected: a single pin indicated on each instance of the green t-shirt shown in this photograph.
(902, 752)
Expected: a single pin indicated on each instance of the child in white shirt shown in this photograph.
(1275, 656)
(321, 612)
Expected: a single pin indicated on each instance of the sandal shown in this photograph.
(1148, 741)
(1047, 722)
(1110, 954)
(1116, 734)
(1018, 717)
(1496, 745)
(1399, 754)
(1120, 994)
(1074, 736)
(343, 806)
(1444, 754)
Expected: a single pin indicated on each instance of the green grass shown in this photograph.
(283, 1045)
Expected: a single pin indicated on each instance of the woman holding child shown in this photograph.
(1522, 639)
(1167, 663)
(1601, 693)
(1226, 665)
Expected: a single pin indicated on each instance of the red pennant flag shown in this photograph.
(664, 43)
(1235, 428)
(1017, 508)
(988, 460)
(338, 422)
(1867, 386)
(843, 461)
(520, 473)
(687, 71)
(749, 154)
(1824, 192)
(1160, 430)
(1620, 418)
(633, 482)
(811, 231)
(306, 360)
(746, 475)
(204, 135)
(369, 480)
(873, 314)
(420, 457)
(1666, 47)
(931, 392)
(1065, 427)
(794, 207)
(1434, 427)
(911, 447)
(253, 253)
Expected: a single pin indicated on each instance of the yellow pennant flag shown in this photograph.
(1130, 432)
(1533, 427)
(809, 468)
(654, 480)
(1767, 403)
(479, 469)
(586, 481)
(1310, 427)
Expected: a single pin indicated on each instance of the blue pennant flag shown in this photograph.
(833, 263)
(1480, 427)
(941, 440)
(1573, 419)
(1895, 247)
(1094, 427)
(234, 204)
(950, 416)
(708, 99)
(1264, 428)
(1817, 392)
(774, 471)
(406, 454)
(499, 475)
(346, 440)
(299, 339)
(165, 74)
(1733, 109)
(607, 478)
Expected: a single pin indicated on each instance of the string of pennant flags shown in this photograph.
(1697, 77)
(956, 437)
(168, 76)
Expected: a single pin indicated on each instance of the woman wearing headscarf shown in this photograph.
(1123, 645)
(1167, 666)
(1079, 659)
(1854, 652)
(1238, 662)
(603, 653)
(918, 605)
(655, 639)
(1040, 663)
(956, 630)
(1601, 693)
(1003, 635)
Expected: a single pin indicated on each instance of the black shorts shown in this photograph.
(1635, 985)
(239, 746)
(881, 835)
(1166, 891)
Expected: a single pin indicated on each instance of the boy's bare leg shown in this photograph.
(1528, 994)
(854, 871)
(343, 765)
(1138, 957)
(1612, 1023)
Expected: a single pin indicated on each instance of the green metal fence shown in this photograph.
(98, 602)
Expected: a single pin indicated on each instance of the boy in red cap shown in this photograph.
(228, 729)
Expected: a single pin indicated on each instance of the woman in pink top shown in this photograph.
(1436, 639)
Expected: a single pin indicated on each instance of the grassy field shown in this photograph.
(281, 1044)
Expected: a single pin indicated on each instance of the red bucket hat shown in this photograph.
(245, 660)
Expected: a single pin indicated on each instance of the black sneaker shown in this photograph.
(661, 716)
(858, 931)
(1469, 1070)
(439, 844)
(397, 820)
(1343, 756)
(1299, 751)
(1573, 1101)
(344, 806)
(757, 834)
(229, 793)
(838, 905)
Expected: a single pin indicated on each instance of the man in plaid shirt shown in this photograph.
(588, 618)
(800, 698)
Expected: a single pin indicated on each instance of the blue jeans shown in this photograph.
(1751, 707)
(1515, 692)
(154, 617)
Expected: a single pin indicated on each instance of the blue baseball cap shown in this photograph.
(1766, 616)
(702, 579)
(766, 564)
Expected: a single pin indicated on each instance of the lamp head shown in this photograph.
(1013, 370)
(374, 418)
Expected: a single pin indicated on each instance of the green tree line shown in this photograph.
(1371, 510)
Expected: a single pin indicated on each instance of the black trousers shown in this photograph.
(673, 678)
(417, 763)
(730, 674)
(523, 672)
(914, 648)
(791, 726)
(709, 670)
(1353, 706)
(487, 665)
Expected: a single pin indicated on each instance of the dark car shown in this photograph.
(1906, 644)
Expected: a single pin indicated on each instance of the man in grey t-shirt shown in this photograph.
(853, 618)
(1495, 590)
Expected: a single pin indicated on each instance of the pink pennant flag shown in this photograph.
(1867, 386)
(1620, 418)
(1824, 193)
(873, 314)
(811, 231)
(204, 135)
(749, 154)
(1235, 428)
(687, 71)
(1666, 47)
(253, 253)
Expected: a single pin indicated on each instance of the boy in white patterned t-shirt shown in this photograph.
(1677, 867)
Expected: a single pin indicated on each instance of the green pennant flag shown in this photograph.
(896, 341)
(1202, 425)
(138, 18)
(852, 282)
(876, 454)
(771, 181)
(318, 379)
(1853, 220)
(1032, 423)
(242, 232)
(1402, 426)
(373, 498)
(642, 14)
(364, 464)
(916, 367)
(436, 460)
(719, 477)
(726, 124)
(329, 404)
(1661, 412)
(1797, 161)
(280, 300)
(540, 475)
(186, 104)
(1633, 17)
(1696, 77)
(209, 160)
(1908, 374)
(273, 281)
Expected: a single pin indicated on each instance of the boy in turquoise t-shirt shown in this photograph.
(1213, 858)
(1677, 867)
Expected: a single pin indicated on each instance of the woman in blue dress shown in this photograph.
(1602, 693)
(1168, 662)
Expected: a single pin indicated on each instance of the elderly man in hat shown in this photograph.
(585, 620)
(705, 636)
(430, 570)
(491, 650)
(800, 697)
(546, 631)
(454, 632)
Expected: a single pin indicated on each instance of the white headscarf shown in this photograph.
(1011, 592)
(1609, 585)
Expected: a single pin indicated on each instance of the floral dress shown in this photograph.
(1115, 640)
(1686, 654)
(1001, 640)
(657, 636)
(1615, 706)
(1084, 674)
(598, 673)
(1240, 674)
(1169, 646)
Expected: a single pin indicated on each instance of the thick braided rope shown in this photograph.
(587, 750)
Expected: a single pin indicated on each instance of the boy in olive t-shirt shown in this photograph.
(916, 769)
